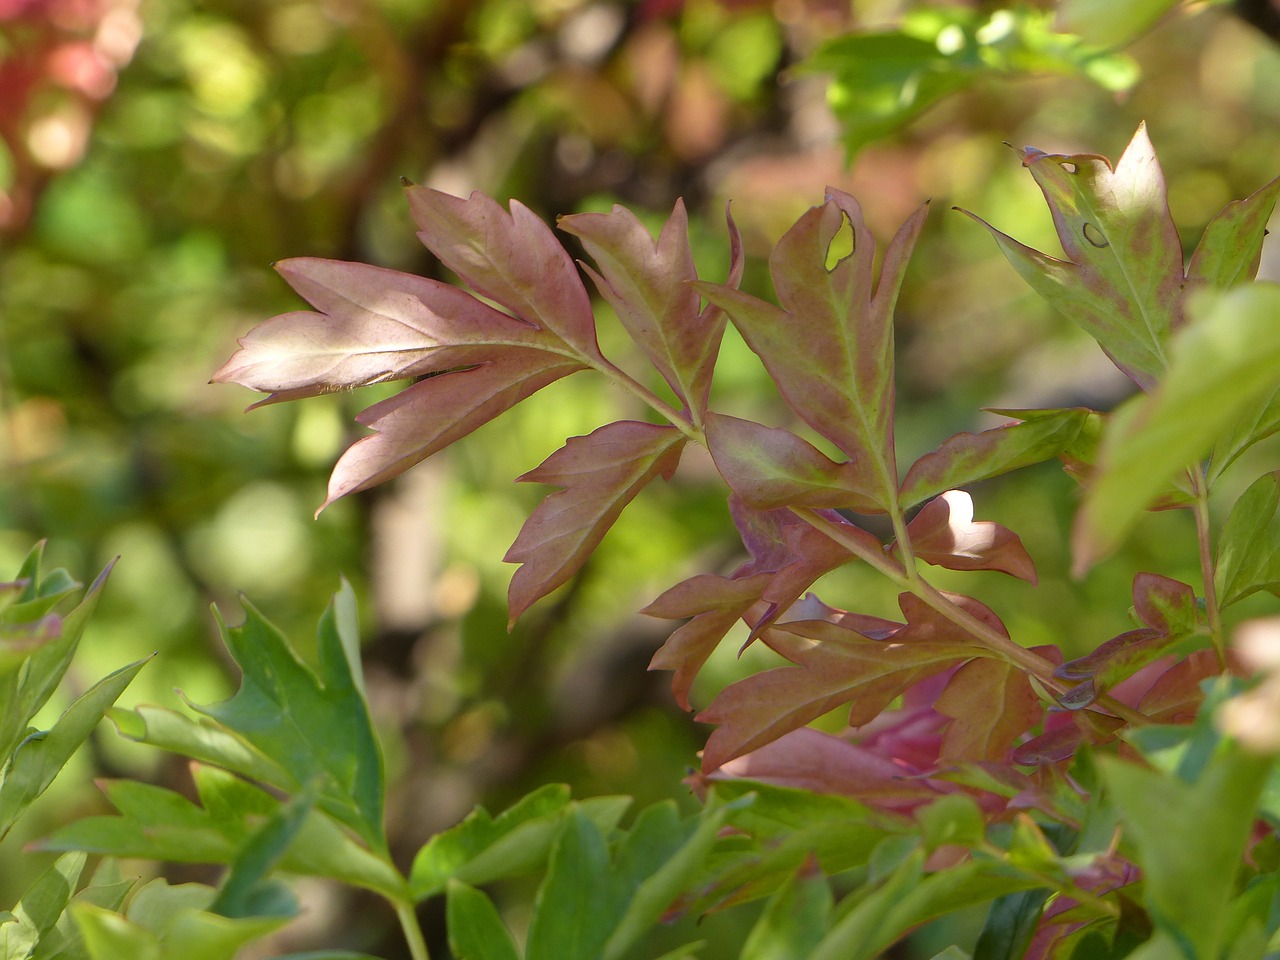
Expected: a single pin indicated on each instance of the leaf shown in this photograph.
(970, 457)
(1231, 246)
(1111, 23)
(373, 325)
(1010, 925)
(43, 755)
(795, 918)
(512, 258)
(992, 704)
(42, 905)
(830, 348)
(1123, 277)
(601, 473)
(647, 284)
(768, 467)
(714, 604)
(241, 891)
(1187, 884)
(573, 912)
(1249, 545)
(313, 726)
(944, 533)
(834, 665)
(476, 931)
(1223, 364)
(433, 413)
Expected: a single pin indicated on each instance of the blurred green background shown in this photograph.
(158, 155)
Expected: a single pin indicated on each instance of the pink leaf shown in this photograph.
(969, 457)
(601, 473)
(992, 704)
(770, 467)
(373, 325)
(435, 412)
(944, 533)
(830, 348)
(647, 284)
(1122, 279)
(512, 258)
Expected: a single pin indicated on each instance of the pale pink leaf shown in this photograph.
(647, 283)
(945, 534)
(829, 348)
(771, 467)
(601, 473)
(430, 415)
(373, 325)
(510, 257)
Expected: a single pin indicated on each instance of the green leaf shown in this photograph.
(951, 819)
(314, 726)
(1231, 246)
(476, 931)
(41, 907)
(1010, 925)
(1249, 545)
(795, 918)
(1111, 23)
(970, 457)
(575, 909)
(43, 756)
(1122, 281)
(240, 894)
(1190, 839)
(1223, 364)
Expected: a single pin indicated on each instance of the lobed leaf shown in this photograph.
(829, 348)
(944, 533)
(1249, 545)
(601, 473)
(647, 283)
(1122, 279)
(1224, 364)
(970, 457)
(769, 467)
(512, 258)
(433, 413)
(992, 704)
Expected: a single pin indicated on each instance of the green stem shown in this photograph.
(624, 381)
(408, 918)
(985, 634)
(1205, 539)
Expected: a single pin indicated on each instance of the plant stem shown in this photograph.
(412, 930)
(987, 636)
(1204, 537)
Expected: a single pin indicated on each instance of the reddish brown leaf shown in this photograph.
(992, 704)
(373, 325)
(647, 284)
(601, 473)
(512, 258)
(969, 457)
(830, 348)
(1122, 279)
(945, 534)
(435, 412)
(1176, 695)
(769, 467)
(1061, 741)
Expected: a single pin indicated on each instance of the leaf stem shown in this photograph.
(987, 636)
(408, 918)
(1204, 537)
(620, 378)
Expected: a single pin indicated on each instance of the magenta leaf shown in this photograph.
(829, 348)
(648, 285)
(373, 325)
(945, 534)
(1122, 279)
(969, 457)
(1230, 248)
(512, 258)
(430, 415)
(601, 473)
(771, 467)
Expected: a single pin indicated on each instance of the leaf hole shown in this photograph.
(1095, 236)
(841, 245)
(1070, 167)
